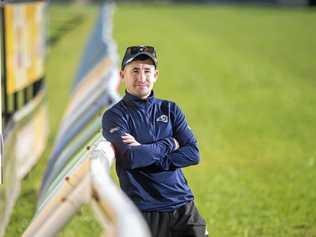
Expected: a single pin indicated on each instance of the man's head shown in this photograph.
(139, 70)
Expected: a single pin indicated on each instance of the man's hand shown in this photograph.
(129, 139)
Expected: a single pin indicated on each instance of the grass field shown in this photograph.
(245, 77)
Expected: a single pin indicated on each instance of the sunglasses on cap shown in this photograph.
(141, 48)
(134, 51)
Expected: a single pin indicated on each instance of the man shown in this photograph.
(152, 142)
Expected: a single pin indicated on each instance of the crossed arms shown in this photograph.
(168, 153)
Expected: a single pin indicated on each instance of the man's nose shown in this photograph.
(142, 76)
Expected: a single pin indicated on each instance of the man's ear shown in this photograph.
(122, 74)
(156, 74)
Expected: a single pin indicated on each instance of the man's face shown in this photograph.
(139, 77)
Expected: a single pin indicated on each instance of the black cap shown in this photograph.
(135, 51)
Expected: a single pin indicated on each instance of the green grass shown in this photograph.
(245, 78)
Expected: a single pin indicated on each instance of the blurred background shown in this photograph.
(242, 71)
(259, 2)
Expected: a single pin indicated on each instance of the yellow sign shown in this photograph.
(24, 44)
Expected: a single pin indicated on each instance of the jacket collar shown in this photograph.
(132, 99)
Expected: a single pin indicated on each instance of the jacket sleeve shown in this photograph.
(132, 157)
(188, 153)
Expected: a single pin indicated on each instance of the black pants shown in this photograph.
(185, 221)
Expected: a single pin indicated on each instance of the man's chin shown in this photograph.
(144, 94)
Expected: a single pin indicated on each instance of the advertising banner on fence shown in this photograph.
(25, 44)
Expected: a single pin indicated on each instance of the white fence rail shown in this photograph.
(88, 181)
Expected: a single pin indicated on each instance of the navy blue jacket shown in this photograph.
(150, 174)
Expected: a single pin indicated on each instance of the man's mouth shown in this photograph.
(141, 85)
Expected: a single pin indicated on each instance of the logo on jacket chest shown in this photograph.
(163, 118)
